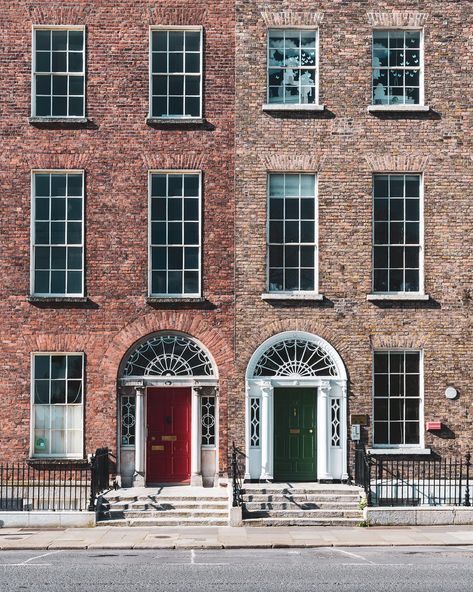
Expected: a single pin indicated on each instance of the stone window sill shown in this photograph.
(164, 300)
(292, 107)
(175, 121)
(58, 120)
(52, 299)
(398, 451)
(292, 296)
(398, 297)
(398, 108)
(41, 460)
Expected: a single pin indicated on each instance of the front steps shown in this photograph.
(162, 509)
(301, 505)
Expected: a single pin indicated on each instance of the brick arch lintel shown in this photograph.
(54, 160)
(397, 19)
(177, 15)
(402, 163)
(195, 325)
(289, 18)
(335, 339)
(173, 161)
(59, 13)
(292, 162)
(396, 342)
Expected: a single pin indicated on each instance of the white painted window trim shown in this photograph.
(294, 294)
(401, 448)
(184, 296)
(33, 71)
(420, 295)
(177, 118)
(267, 106)
(32, 453)
(421, 106)
(33, 238)
(120, 420)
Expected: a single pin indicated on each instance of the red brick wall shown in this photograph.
(116, 149)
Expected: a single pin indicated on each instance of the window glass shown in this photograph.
(175, 234)
(292, 66)
(396, 397)
(292, 233)
(59, 73)
(57, 405)
(396, 233)
(396, 67)
(58, 234)
(176, 74)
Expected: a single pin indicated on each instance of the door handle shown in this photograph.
(311, 431)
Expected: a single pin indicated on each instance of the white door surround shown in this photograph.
(167, 360)
(296, 359)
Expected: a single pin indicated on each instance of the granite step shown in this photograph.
(302, 521)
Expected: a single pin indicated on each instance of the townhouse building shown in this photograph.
(237, 222)
(353, 141)
(117, 234)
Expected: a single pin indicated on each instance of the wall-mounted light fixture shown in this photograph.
(451, 392)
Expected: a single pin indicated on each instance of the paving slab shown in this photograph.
(232, 538)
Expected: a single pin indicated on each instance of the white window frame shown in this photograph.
(32, 454)
(198, 28)
(183, 296)
(316, 106)
(401, 447)
(270, 294)
(420, 292)
(33, 69)
(401, 106)
(33, 245)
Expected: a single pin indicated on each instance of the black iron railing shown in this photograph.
(237, 466)
(43, 485)
(414, 481)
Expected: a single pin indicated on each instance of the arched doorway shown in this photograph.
(168, 428)
(296, 410)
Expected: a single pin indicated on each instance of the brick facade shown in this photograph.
(345, 145)
(235, 148)
(116, 148)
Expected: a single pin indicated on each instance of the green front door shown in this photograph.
(294, 434)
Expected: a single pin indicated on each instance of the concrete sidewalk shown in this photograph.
(232, 538)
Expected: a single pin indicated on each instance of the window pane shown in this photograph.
(41, 392)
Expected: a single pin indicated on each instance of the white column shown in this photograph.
(344, 431)
(196, 476)
(140, 437)
(247, 431)
(323, 412)
(266, 430)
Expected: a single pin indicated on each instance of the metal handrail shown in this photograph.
(237, 476)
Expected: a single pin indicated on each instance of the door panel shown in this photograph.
(168, 448)
(295, 434)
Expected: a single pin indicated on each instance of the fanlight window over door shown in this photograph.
(168, 355)
(295, 357)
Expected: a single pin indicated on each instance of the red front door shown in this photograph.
(168, 448)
